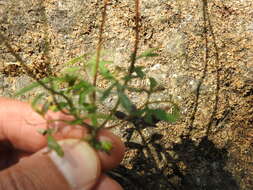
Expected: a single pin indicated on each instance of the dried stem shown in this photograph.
(137, 22)
(208, 25)
(158, 102)
(217, 65)
(206, 57)
(26, 68)
(133, 58)
(33, 76)
(99, 46)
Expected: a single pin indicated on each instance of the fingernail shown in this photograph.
(80, 164)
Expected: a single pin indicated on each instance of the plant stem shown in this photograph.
(157, 102)
(29, 71)
(217, 66)
(137, 20)
(33, 76)
(133, 59)
(98, 52)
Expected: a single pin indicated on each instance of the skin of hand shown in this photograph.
(25, 162)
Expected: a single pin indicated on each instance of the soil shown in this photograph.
(205, 64)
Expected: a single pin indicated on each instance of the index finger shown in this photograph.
(19, 124)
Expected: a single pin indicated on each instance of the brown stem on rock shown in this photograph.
(132, 60)
(99, 46)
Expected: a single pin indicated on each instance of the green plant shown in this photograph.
(74, 95)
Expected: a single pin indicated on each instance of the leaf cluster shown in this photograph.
(70, 93)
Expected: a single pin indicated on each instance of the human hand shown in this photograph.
(25, 165)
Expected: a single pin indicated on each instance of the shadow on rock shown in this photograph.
(183, 166)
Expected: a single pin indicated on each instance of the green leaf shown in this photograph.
(44, 108)
(70, 79)
(82, 97)
(172, 118)
(54, 145)
(100, 116)
(94, 119)
(148, 118)
(123, 99)
(139, 112)
(160, 114)
(76, 122)
(95, 144)
(164, 116)
(128, 77)
(42, 131)
(83, 85)
(104, 71)
(71, 70)
(27, 89)
(102, 65)
(76, 60)
(139, 72)
(90, 108)
(153, 83)
(125, 102)
(107, 92)
(55, 84)
(32, 86)
(91, 64)
(50, 131)
(175, 113)
(106, 146)
(148, 53)
(59, 106)
(36, 100)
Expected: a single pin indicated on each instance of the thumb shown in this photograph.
(78, 169)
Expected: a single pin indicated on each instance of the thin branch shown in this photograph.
(192, 119)
(217, 65)
(33, 76)
(137, 23)
(133, 58)
(158, 102)
(99, 46)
